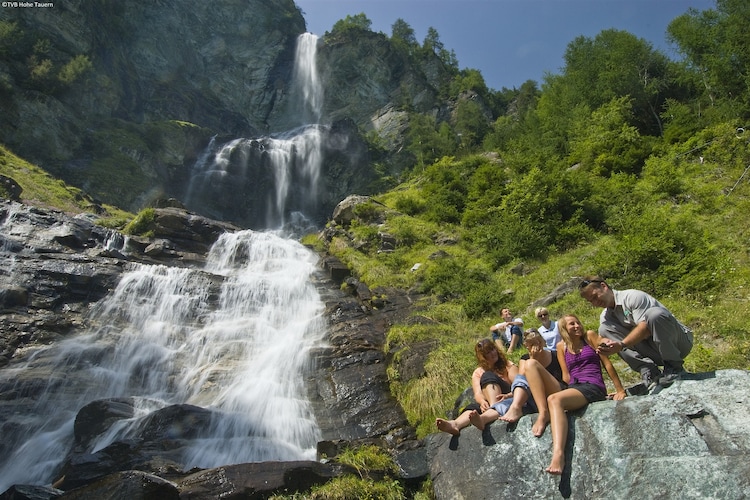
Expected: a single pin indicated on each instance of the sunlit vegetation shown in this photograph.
(626, 164)
(41, 189)
(373, 478)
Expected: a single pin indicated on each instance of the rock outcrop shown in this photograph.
(123, 100)
(58, 268)
(691, 440)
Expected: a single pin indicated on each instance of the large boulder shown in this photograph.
(691, 440)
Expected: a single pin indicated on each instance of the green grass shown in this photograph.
(367, 460)
(43, 190)
(676, 231)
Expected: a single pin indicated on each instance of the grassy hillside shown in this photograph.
(43, 190)
(679, 230)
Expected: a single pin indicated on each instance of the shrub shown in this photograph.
(74, 69)
(142, 224)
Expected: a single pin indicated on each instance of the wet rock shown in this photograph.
(97, 417)
(258, 480)
(30, 492)
(126, 485)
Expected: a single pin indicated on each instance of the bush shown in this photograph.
(74, 69)
(142, 224)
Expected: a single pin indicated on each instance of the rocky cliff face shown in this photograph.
(57, 268)
(122, 98)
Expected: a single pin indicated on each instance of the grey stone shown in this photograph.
(692, 440)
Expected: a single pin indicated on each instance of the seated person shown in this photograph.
(548, 328)
(508, 333)
(539, 374)
(491, 383)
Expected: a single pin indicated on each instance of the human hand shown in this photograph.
(484, 405)
(608, 347)
(619, 395)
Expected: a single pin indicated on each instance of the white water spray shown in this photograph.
(162, 339)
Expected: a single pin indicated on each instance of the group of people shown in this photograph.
(563, 368)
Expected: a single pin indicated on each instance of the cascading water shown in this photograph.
(259, 182)
(162, 338)
(162, 341)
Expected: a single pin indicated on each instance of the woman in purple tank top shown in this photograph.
(582, 370)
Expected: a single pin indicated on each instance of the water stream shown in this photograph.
(160, 338)
(263, 181)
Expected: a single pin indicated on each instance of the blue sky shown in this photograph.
(509, 41)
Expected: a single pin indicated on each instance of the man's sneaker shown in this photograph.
(671, 373)
(639, 389)
(650, 381)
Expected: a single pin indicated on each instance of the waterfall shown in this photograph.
(260, 182)
(163, 337)
(167, 336)
(305, 81)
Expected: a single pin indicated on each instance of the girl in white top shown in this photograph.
(548, 329)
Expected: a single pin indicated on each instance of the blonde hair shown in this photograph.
(540, 310)
(562, 326)
(532, 335)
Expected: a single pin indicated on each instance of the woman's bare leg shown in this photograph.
(515, 412)
(558, 404)
(480, 421)
(454, 426)
(492, 393)
(542, 384)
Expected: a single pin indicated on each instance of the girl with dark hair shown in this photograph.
(490, 382)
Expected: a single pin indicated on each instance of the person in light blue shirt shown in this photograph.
(548, 329)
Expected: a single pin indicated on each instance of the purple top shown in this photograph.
(585, 367)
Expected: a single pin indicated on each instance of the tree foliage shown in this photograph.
(350, 23)
(714, 43)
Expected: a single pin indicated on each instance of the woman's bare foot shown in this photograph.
(448, 426)
(540, 425)
(476, 420)
(512, 415)
(556, 466)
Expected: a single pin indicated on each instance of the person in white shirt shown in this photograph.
(509, 332)
(548, 329)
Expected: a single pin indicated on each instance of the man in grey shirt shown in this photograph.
(641, 330)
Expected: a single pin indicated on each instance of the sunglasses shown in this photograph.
(543, 315)
(583, 284)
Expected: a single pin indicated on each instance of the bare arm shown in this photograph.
(620, 394)
(477, 388)
(561, 360)
(512, 370)
(636, 335)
